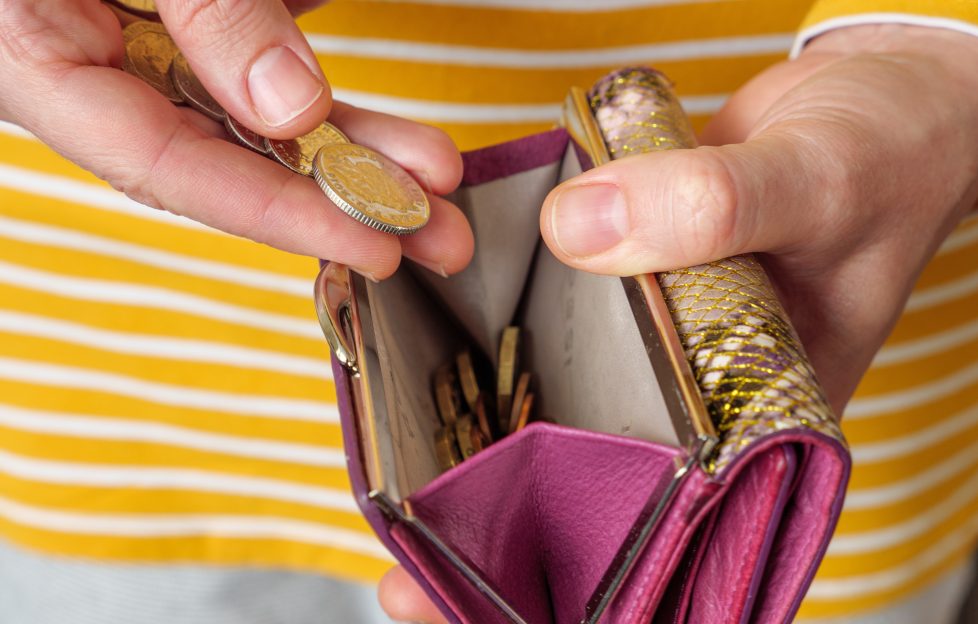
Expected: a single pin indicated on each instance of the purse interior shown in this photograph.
(579, 335)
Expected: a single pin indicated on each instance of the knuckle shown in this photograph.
(210, 17)
(705, 210)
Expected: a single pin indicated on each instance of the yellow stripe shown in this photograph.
(91, 403)
(812, 608)
(98, 500)
(69, 262)
(494, 85)
(154, 321)
(841, 566)
(917, 372)
(925, 322)
(886, 426)
(130, 453)
(543, 30)
(90, 219)
(204, 549)
(823, 10)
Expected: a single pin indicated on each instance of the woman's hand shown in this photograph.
(59, 63)
(844, 168)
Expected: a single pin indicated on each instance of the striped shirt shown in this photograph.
(165, 392)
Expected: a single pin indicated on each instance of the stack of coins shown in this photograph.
(363, 183)
(472, 410)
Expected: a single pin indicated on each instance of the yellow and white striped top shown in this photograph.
(165, 393)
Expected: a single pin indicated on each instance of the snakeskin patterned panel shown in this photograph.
(747, 358)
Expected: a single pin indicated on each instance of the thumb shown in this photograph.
(667, 210)
(254, 61)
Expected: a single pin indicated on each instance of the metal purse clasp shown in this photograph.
(334, 296)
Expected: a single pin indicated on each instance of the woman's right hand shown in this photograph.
(59, 64)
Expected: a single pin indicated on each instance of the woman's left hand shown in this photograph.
(844, 168)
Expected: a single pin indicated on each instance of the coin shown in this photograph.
(522, 387)
(245, 136)
(446, 449)
(525, 411)
(149, 53)
(446, 395)
(508, 362)
(144, 8)
(466, 376)
(371, 188)
(480, 414)
(297, 154)
(463, 435)
(192, 91)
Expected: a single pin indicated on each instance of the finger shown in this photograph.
(427, 152)
(125, 132)
(404, 600)
(444, 246)
(253, 59)
(675, 209)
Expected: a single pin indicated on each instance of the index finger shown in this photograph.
(121, 129)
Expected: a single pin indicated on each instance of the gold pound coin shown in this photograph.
(526, 411)
(522, 388)
(463, 435)
(446, 395)
(371, 188)
(149, 53)
(298, 154)
(446, 449)
(192, 91)
(466, 376)
(506, 380)
(143, 8)
(483, 419)
(245, 136)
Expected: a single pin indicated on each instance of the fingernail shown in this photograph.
(281, 86)
(370, 275)
(589, 219)
(435, 267)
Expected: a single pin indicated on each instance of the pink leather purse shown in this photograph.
(692, 471)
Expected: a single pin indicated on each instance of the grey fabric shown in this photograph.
(36, 589)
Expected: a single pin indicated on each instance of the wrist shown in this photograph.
(955, 51)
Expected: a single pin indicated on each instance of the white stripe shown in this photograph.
(551, 59)
(929, 345)
(142, 478)
(75, 192)
(575, 6)
(118, 430)
(915, 441)
(171, 348)
(920, 525)
(914, 397)
(922, 481)
(166, 394)
(962, 237)
(158, 526)
(937, 295)
(488, 113)
(79, 241)
(865, 18)
(892, 578)
(14, 130)
(125, 293)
